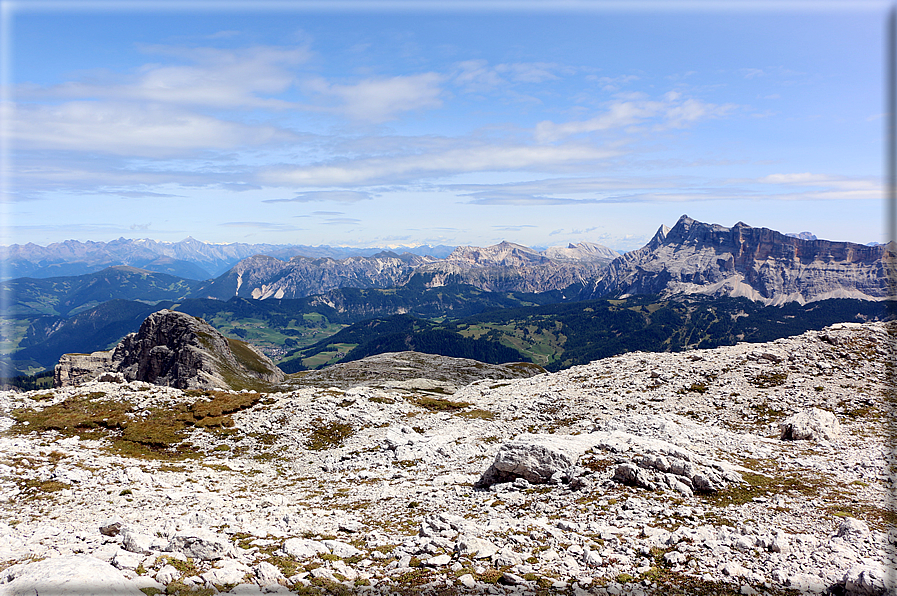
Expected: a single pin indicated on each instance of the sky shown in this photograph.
(401, 124)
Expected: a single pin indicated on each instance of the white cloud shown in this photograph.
(479, 76)
(511, 198)
(336, 196)
(825, 186)
(380, 100)
(437, 163)
(476, 75)
(126, 129)
(529, 72)
(261, 225)
(671, 112)
(213, 78)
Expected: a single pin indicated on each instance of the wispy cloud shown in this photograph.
(465, 157)
(480, 76)
(513, 228)
(336, 196)
(261, 225)
(383, 99)
(341, 221)
(123, 129)
(500, 198)
(824, 186)
(207, 77)
(671, 112)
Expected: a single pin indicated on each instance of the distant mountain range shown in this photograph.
(690, 258)
(188, 258)
(287, 304)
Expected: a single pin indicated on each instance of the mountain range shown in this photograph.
(286, 304)
(188, 258)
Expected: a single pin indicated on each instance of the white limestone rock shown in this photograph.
(852, 529)
(73, 575)
(301, 548)
(811, 424)
(475, 547)
(341, 549)
(226, 571)
(867, 580)
(137, 542)
(535, 458)
(201, 544)
(167, 574)
(267, 574)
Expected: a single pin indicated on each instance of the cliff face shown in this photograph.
(505, 267)
(263, 277)
(175, 350)
(508, 267)
(758, 263)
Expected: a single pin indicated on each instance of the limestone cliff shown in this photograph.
(508, 267)
(262, 277)
(758, 263)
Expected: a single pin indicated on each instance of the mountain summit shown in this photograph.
(761, 264)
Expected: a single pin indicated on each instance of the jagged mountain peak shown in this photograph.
(695, 257)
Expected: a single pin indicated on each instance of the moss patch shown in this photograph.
(327, 435)
(152, 433)
(437, 404)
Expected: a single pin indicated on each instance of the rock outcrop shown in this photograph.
(176, 350)
(77, 369)
(758, 263)
(415, 371)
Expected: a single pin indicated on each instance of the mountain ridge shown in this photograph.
(762, 264)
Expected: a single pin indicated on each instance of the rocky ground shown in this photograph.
(638, 474)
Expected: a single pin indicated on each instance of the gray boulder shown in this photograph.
(535, 458)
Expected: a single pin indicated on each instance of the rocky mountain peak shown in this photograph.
(176, 350)
(694, 257)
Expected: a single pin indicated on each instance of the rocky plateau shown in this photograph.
(750, 469)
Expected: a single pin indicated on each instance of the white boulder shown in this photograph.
(811, 424)
(79, 575)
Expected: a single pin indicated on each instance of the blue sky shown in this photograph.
(384, 125)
